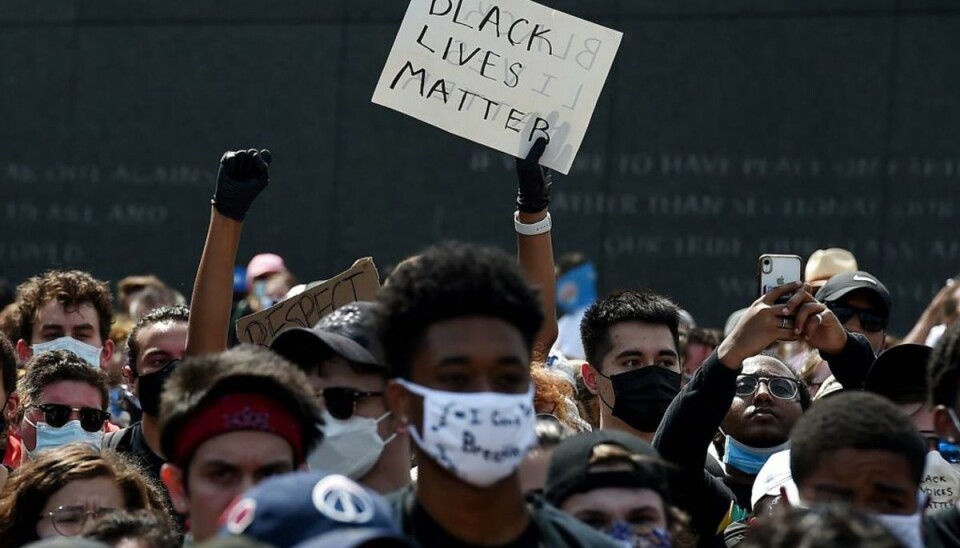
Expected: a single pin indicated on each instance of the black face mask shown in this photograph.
(643, 396)
(150, 388)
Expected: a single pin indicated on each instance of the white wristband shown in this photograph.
(540, 227)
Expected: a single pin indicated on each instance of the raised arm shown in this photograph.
(931, 316)
(535, 251)
(243, 175)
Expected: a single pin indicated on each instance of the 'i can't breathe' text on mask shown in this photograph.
(480, 437)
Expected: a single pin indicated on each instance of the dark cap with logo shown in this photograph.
(348, 332)
(307, 509)
(900, 373)
(842, 285)
(578, 466)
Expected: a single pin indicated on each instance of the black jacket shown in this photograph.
(557, 529)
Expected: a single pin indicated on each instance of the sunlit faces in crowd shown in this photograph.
(63, 489)
(341, 357)
(227, 421)
(861, 303)
(615, 483)
(768, 403)
(858, 448)
(60, 400)
(631, 341)
(67, 310)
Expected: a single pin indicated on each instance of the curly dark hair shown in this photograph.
(71, 288)
(943, 369)
(625, 306)
(165, 314)
(448, 281)
(854, 420)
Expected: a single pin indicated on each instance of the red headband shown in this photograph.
(238, 412)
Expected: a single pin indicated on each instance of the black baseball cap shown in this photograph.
(842, 285)
(348, 332)
(900, 373)
(569, 472)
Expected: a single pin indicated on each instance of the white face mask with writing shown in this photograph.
(941, 482)
(906, 528)
(88, 353)
(350, 447)
(479, 437)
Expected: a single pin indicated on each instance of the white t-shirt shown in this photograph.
(568, 342)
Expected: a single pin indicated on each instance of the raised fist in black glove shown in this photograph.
(533, 195)
(243, 175)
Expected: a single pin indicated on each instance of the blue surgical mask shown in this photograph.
(49, 437)
(86, 352)
(749, 459)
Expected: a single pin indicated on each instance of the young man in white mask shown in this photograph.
(457, 326)
(340, 357)
(65, 310)
(900, 375)
(860, 449)
(60, 400)
(943, 527)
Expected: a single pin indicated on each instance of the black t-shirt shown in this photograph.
(431, 533)
(943, 528)
(131, 442)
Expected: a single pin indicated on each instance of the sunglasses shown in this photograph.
(57, 415)
(342, 402)
(783, 388)
(870, 320)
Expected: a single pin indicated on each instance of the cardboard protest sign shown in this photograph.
(360, 283)
(499, 73)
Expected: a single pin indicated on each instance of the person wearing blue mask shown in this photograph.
(60, 400)
(752, 400)
(65, 310)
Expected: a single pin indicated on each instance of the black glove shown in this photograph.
(243, 174)
(533, 194)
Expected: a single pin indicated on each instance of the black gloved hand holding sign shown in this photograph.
(243, 175)
(533, 194)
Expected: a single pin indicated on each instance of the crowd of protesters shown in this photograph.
(481, 399)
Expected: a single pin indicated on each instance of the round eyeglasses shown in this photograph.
(783, 388)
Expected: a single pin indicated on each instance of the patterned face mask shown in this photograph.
(629, 536)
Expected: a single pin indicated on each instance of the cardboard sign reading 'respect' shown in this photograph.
(499, 73)
(360, 283)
